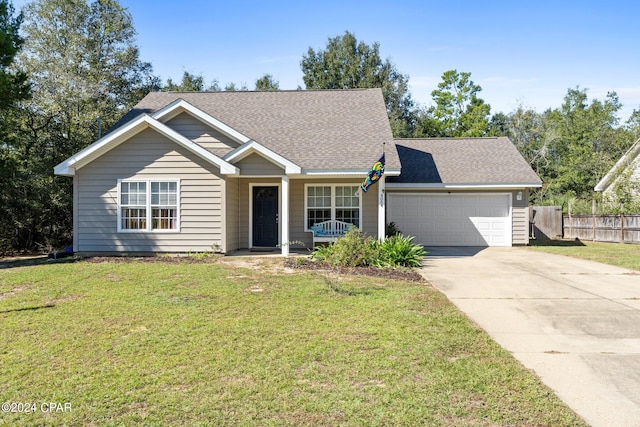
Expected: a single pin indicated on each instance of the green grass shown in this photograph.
(209, 343)
(622, 255)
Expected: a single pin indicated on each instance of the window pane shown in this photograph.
(133, 219)
(318, 197)
(164, 193)
(133, 193)
(349, 215)
(164, 219)
(348, 198)
(318, 215)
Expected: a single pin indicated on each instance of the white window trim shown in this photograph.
(333, 200)
(148, 181)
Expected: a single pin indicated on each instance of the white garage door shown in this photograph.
(453, 219)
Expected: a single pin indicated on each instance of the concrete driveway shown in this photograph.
(575, 323)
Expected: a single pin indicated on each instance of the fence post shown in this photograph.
(593, 213)
(570, 220)
(621, 222)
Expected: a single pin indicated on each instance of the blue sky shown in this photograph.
(518, 51)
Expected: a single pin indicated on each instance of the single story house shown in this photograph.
(627, 168)
(203, 171)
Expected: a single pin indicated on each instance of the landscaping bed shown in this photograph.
(389, 273)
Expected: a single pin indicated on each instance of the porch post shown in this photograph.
(382, 221)
(284, 217)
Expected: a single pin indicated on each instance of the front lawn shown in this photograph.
(622, 255)
(216, 343)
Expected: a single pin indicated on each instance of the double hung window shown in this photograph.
(332, 202)
(148, 205)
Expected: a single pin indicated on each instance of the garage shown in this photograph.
(444, 219)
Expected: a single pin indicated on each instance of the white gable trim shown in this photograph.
(255, 147)
(125, 132)
(625, 161)
(180, 105)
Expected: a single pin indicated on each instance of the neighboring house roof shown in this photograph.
(317, 130)
(472, 162)
(630, 159)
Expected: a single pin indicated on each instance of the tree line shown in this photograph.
(70, 67)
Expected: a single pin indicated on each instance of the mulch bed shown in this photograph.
(389, 273)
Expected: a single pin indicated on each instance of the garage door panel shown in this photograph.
(453, 219)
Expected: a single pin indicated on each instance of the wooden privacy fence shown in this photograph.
(603, 228)
(546, 222)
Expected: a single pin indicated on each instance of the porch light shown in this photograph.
(519, 195)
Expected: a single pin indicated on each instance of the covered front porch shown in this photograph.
(267, 214)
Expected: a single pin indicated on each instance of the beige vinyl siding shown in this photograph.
(520, 219)
(149, 155)
(256, 165)
(202, 134)
(635, 175)
(232, 214)
(370, 210)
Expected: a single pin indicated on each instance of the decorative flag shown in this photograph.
(374, 174)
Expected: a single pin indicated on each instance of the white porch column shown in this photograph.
(382, 220)
(284, 217)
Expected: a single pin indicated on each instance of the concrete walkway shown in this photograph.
(575, 323)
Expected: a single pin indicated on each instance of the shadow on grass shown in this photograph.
(35, 261)
(546, 242)
(40, 307)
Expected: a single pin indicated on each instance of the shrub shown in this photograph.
(356, 250)
(353, 250)
(399, 250)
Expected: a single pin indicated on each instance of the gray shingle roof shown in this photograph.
(492, 161)
(325, 129)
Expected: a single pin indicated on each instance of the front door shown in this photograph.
(265, 216)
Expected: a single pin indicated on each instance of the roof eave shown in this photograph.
(457, 186)
(345, 172)
(93, 151)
